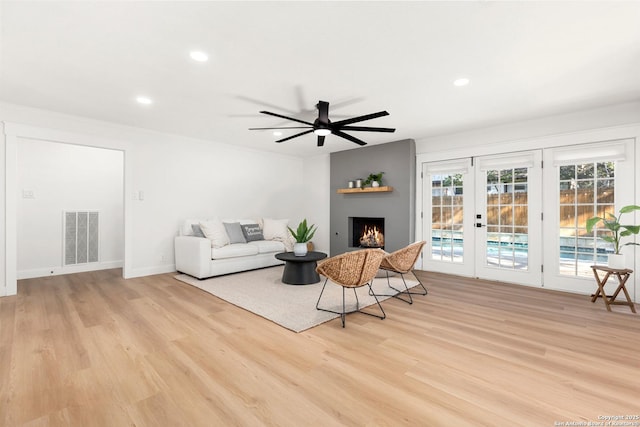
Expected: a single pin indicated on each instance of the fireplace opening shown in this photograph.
(366, 232)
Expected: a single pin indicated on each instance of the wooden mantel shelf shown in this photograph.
(382, 189)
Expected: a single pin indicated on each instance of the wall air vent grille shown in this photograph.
(81, 237)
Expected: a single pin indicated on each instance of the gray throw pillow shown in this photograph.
(197, 231)
(234, 232)
(252, 232)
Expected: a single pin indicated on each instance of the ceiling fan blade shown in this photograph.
(323, 111)
(285, 117)
(359, 118)
(320, 140)
(349, 137)
(264, 104)
(345, 103)
(295, 136)
(367, 129)
(284, 127)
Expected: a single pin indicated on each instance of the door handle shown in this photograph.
(479, 225)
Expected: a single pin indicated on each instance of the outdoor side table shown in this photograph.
(623, 275)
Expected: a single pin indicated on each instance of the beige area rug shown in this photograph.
(291, 306)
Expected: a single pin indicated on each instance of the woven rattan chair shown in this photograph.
(402, 262)
(352, 270)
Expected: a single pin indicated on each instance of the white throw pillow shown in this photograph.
(214, 230)
(187, 230)
(259, 221)
(275, 229)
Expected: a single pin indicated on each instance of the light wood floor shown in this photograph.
(93, 349)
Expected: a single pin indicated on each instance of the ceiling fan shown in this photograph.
(322, 126)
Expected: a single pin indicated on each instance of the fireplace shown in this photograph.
(366, 232)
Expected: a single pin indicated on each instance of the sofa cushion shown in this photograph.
(214, 230)
(187, 229)
(234, 250)
(275, 229)
(234, 231)
(197, 231)
(267, 246)
(252, 232)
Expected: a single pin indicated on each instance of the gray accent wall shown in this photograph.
(397, 161)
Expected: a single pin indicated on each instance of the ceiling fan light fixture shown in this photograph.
(322, 131)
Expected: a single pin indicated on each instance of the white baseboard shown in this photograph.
(150, 271)
(69, 269)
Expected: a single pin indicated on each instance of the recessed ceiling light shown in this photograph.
(277, 133)
(199, 56)
(144, 100)
(461, 82)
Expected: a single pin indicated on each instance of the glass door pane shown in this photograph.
(585, 190)
(507, 218)
(447, 217)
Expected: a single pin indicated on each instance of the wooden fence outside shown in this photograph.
(510, 209)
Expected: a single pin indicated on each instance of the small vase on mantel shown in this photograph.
(299, 249)
(375, 184)
(616, 261)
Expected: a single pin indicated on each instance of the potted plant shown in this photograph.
(618, 231)
(375, 179)
(303, 234)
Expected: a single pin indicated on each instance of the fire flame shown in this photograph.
(372, 237)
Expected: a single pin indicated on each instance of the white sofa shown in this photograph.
(223, 251)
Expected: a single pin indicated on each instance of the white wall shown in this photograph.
(54, 177)
(317, 195)
(527, 133)
(194, 179)
(180, 178)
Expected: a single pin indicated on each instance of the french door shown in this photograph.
(581, 182)
(447, 216)
(481, 217)
(508, 241)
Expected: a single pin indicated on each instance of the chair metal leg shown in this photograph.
(321, 292)
(343, 316)
(421, 285)
(343, 313)
(406, 290)
(384, 315)
(399, 292)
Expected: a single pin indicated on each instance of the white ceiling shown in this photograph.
(525, 60)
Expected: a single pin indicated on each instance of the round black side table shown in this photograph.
(300, 270)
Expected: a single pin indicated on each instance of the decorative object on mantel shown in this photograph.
(381, 189)
(358, 183)
(618, 231)
(374, 179)
(303, 234)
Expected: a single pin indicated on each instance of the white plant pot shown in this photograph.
(616, 261)
(375, 184)
(299, 249)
